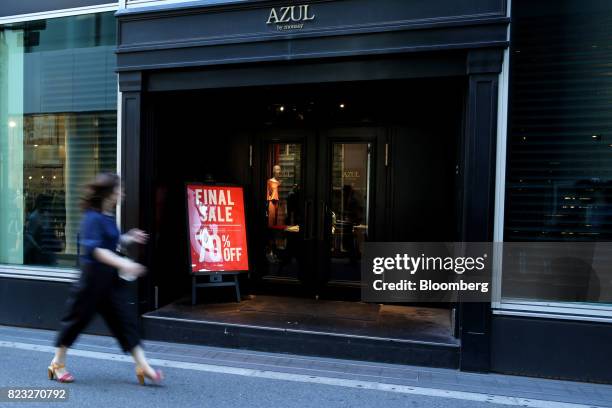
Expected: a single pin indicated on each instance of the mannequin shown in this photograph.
(272, 196)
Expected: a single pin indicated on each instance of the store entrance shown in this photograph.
(317, 212)
(325, 168)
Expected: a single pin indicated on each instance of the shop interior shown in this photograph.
(325, 169)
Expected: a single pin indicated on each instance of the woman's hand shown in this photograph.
(132, 268)
(137, 235)
(125, 265)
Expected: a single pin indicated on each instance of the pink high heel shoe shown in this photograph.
(51, 372)
(140, 374)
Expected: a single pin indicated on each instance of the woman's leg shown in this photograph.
(60, 355)
(123, 325)
(120, 317)
(125, 331)
(73, 323)
(80, 309)
(79, 312)
(141, 361)
(60, 358)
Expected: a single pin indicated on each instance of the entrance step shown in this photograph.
(349, 330)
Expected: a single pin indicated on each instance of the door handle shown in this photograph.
(322, 219)
(308, 227)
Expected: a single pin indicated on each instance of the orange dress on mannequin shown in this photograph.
(273, 200)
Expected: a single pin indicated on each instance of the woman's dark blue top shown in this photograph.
(98, 230)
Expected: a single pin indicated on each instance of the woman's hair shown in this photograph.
(98, 190)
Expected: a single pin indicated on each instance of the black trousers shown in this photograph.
(99, 290)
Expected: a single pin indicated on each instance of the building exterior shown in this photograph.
(481, 121)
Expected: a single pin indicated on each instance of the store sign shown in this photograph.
(351, 174)
(217, 229)
(290, 17)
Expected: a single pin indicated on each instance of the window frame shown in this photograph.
(46, 15)
(152, 3)
(521, 307)
(62, 274)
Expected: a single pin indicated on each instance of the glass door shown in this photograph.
(346, 206)
(284, 241)
(284, 230)
(315, 209)
(349, 208)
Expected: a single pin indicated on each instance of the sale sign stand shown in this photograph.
(217, 235)
(214, 279)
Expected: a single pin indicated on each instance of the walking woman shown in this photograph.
(101, 287)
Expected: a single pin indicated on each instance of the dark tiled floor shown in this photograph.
(338, 317)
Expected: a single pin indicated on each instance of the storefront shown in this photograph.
(345, 122)
(343, 126)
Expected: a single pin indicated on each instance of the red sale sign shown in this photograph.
(217, 230)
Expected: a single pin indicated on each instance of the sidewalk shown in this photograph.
(278, 366)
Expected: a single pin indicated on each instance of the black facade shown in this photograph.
(175, 61)
(556, 58)
(194, 47)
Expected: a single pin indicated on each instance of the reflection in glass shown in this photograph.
(574, 271)
(11, 146)
(349, 208)
(61, 153)
(283, 209)
(58, 128)
(559, 178)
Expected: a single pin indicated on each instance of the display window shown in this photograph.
(58, 129)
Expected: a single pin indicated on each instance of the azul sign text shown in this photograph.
(290, 17)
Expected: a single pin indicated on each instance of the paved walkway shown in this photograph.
(492, 388)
